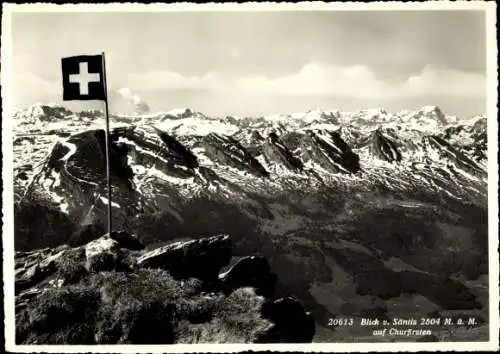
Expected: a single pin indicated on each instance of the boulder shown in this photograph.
(34, 271)
(101, 245)
(110, 242)
(32, 276)
(23, 299)
(253, 271)
(109, 261)
(91, 295)
(127, 240)
(202, 258)
(292, 324)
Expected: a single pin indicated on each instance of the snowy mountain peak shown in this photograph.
(433, 112)
(430, 109)
(427, 118)
(374, 111)
(183, 113)
(475, 119)
(315, 115)
(43, 112)
(319, 114)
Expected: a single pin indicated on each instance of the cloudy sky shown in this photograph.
(252, 63)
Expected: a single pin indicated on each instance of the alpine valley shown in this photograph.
(366, 214)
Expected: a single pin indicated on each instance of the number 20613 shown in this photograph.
(340, 322)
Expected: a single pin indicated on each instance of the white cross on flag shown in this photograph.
(83, 78)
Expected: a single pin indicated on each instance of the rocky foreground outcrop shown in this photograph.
(113, 291)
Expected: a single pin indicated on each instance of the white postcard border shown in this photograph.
(7, 175)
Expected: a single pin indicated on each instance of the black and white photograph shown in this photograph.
(319, 176)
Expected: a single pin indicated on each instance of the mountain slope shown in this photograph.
(355, 215)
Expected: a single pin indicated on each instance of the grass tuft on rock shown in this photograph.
(143, 306)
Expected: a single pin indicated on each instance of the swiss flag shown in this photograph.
(83, 78)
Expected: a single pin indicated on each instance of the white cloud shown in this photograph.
(140, 105)
(168, 80)
(29, 83)
(319, 79)
(450, 82)
(24, 89)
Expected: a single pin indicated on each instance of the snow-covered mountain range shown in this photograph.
(359, 213)
(49, 122)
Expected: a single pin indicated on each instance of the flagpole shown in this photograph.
(108, 177)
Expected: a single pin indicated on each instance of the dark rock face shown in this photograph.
(292, 140)
(178, 151)
(353, 136)
(444, 149)
(44, 217)
(384, 148)
(197, 258)
(253, 143)
(126, 240)
(23, 299)
(166, 153)
(252, 271)
(117, 240)
(92, 114)
(274, 150)
(292, 323)
(477, 144)
(75, 175)
(91, 151)
(256, 138)
(76, 171)
(34, 267)
(51, 114)
(330, 151)
(186, 113)
(227, 150)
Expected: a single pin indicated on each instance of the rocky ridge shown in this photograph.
(76, 295)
